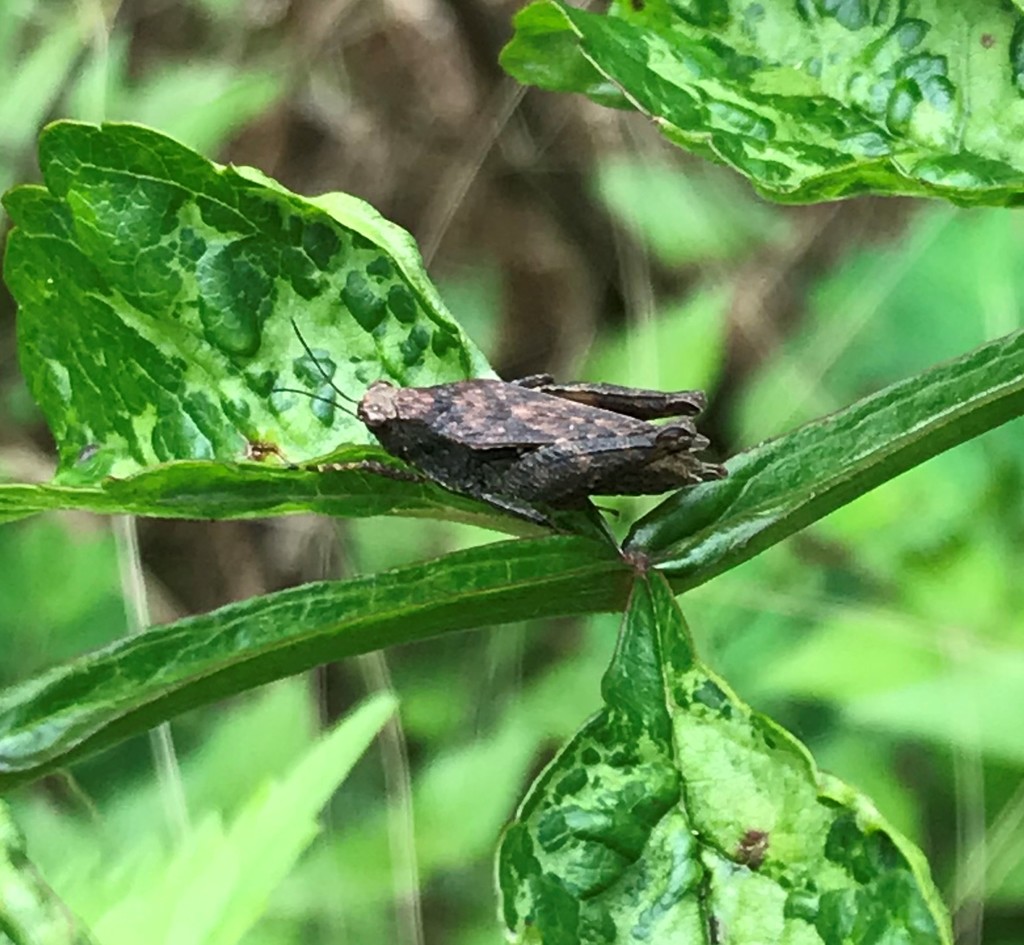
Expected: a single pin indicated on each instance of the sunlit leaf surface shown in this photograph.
(157, 294)
(131, 685)
(677, 814)
(810, 100)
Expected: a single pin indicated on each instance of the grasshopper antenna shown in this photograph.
(320, 368)
(311, 396)
(323, 374)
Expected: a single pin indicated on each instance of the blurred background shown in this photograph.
(568, 239)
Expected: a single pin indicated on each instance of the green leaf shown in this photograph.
(157, 294)
(679, 815)
(784, 485)
(195, 489)
(137, 682)
(30, 912)
(811, 100)
(217, 885)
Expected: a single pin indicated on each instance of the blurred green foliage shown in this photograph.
(61, 59)
(39, 627)
(878, 636)
(897, 620)
(695, 219)
(887, 636)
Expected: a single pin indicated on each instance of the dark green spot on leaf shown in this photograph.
(415, 345)
(236, 292)
(380, 268)
(402, 304)
(322, 244)
(362, 301)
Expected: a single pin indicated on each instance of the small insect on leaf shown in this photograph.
(752, 848)
(523, 446)
(258, 451)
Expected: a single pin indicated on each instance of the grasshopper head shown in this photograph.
(379, 404)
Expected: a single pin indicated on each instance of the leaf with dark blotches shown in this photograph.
(157, 293)
(810, 100)
(679, 815)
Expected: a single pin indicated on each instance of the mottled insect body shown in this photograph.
(522, 444)
(529, 443)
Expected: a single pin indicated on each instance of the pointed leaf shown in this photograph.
(679, 815)
(217, 886)
(137, 682)
(781, 486)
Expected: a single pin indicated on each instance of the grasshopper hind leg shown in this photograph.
(519, 509)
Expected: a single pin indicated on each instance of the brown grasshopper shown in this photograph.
(522, 444)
